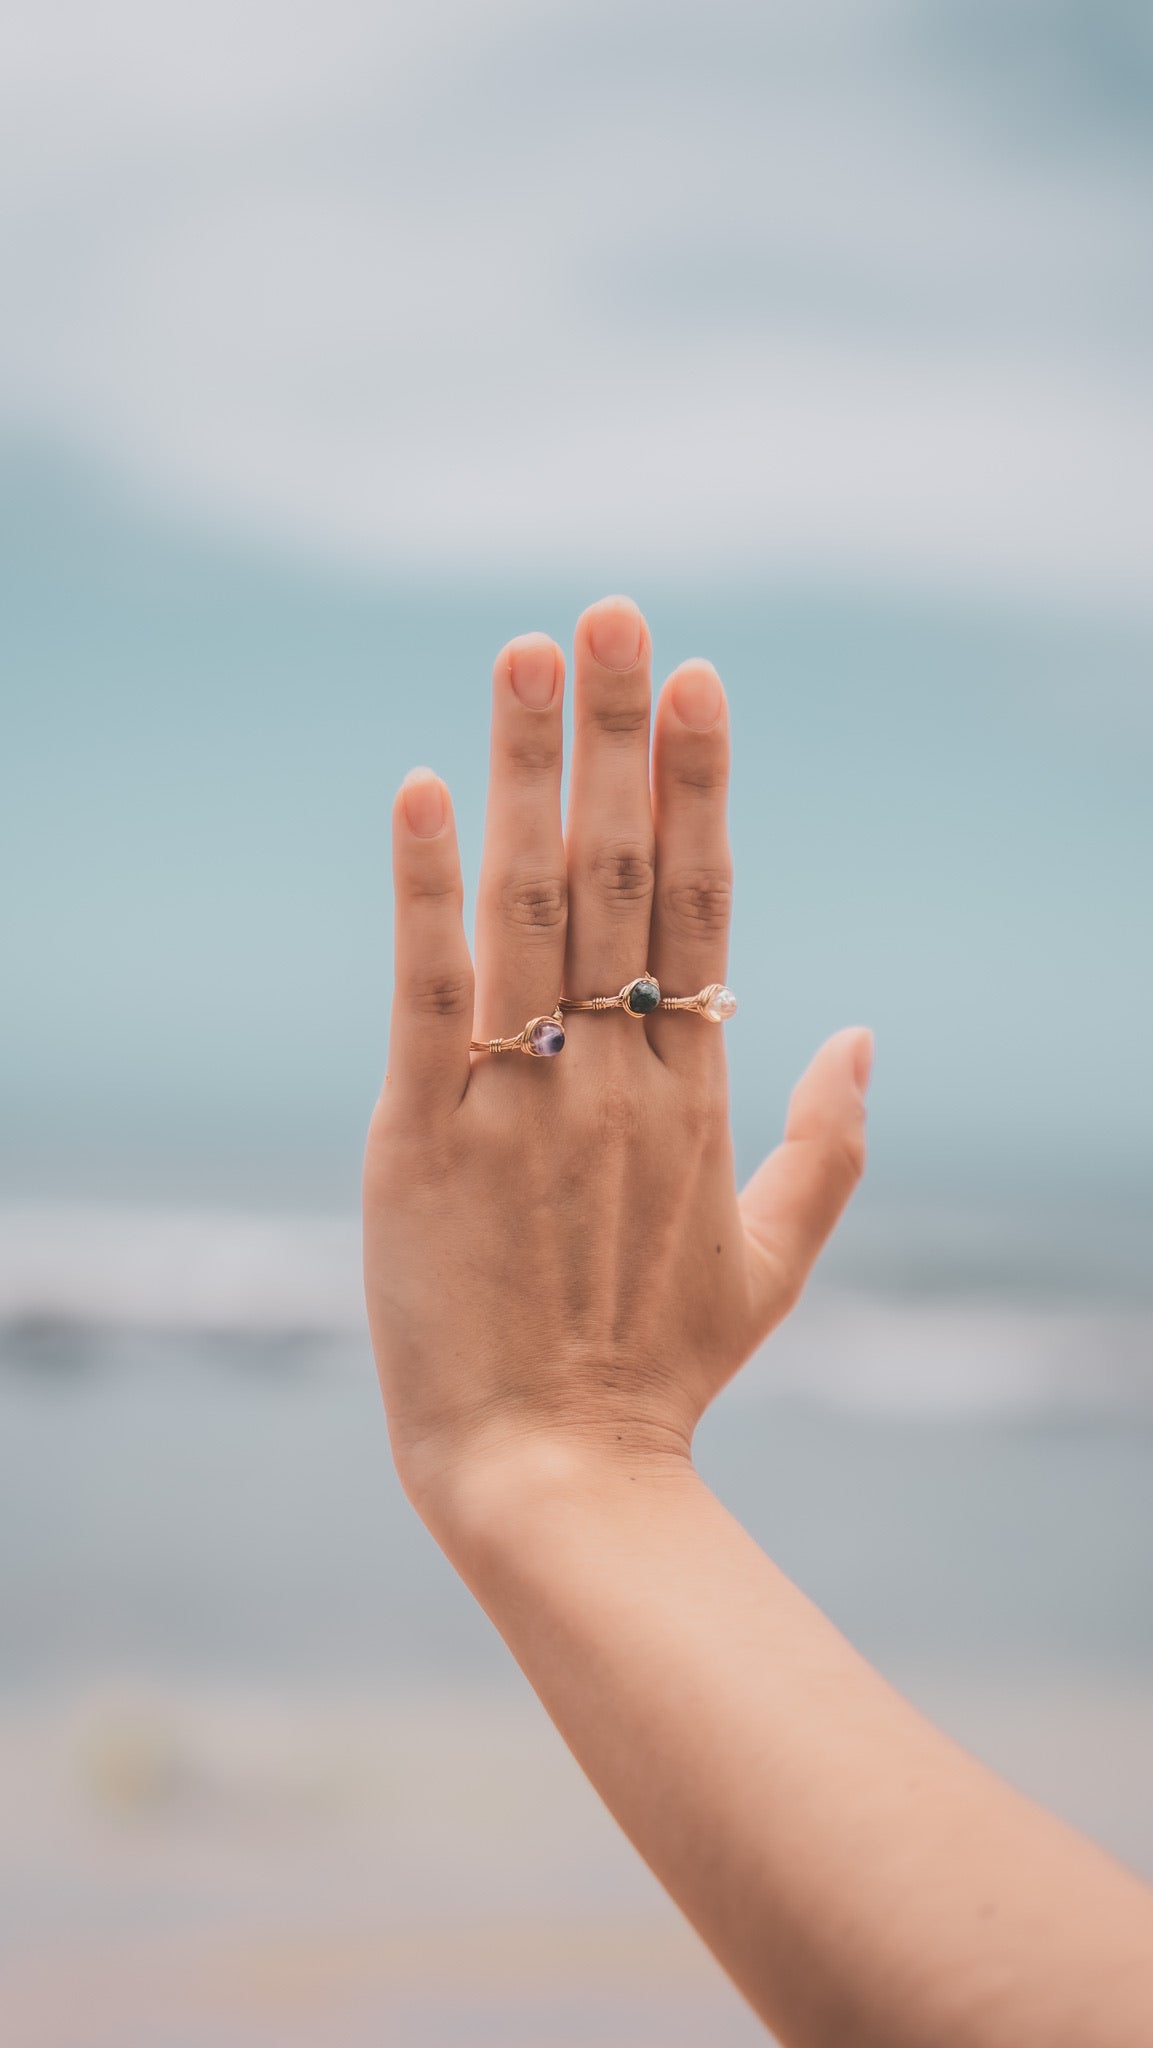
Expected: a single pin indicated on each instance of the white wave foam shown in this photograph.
(256, 1276)
(953, 1356)
(179, 1270)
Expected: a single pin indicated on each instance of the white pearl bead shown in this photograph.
(721, 1006)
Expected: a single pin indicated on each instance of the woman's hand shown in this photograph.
(560, 1277)
(557, 1259)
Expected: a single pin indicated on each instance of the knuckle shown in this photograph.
(533, 903)
(788, 1287)
(850, 1150)
(702, 770)
(837, 1147)
(620, 716)
(444, 992)
(532, 754)
(440, 889)
(622, 872)
(699, 902)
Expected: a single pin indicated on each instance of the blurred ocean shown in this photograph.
(340, 343)
(264, 1766)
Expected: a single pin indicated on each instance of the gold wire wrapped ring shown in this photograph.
(542, 1038)
(715, 1001)
(641, 996)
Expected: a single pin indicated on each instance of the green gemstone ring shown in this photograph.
(641, 996)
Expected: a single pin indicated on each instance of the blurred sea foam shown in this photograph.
(947, 1321)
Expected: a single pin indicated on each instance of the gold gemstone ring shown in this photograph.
(640, 997)
(542, 1038)
(716, 1002)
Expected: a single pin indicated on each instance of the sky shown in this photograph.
(844, 288)
(343, 341)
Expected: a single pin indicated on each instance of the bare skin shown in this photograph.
(561, 1275)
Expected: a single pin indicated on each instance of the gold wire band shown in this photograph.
(593, 1003)
(696, 1002)
(714, 1001)
(703, 1004)
(618, 1002)
(521, 1041)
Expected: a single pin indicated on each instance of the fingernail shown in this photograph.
(616, 630)
(697, 696)
(863, 1059)
(532, 671)
(424, 806)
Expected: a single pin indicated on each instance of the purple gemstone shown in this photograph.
(546, 1038)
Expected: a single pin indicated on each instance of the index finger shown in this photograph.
(433, 993)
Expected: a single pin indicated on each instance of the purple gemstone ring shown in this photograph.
(542, 1038)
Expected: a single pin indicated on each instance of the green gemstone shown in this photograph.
(643, 997)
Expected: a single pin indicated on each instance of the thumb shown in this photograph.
(793, 1201)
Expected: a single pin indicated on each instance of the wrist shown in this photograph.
(486, 1505)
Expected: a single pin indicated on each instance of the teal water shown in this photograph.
(940, 814)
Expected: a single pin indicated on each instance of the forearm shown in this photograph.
(859, 1877)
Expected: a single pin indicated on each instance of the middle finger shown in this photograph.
(609, 836)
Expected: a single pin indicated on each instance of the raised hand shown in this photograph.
(560, 1277)
(556, 1254)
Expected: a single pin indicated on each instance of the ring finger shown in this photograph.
(694, 866)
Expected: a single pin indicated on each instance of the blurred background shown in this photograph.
(341, 342)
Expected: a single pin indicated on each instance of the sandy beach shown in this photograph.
(187, 1869)
(269, 1778)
